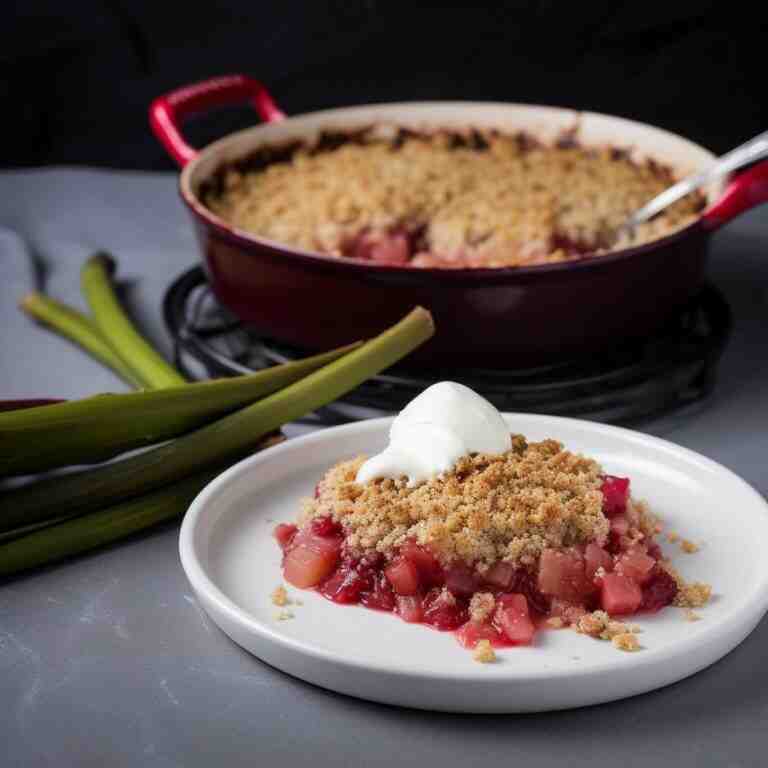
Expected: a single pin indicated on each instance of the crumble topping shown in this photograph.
(689, 547)
(498, 200)
(488, 508)
(691, 615)
(600, 625)
(626, 642)
(481, 606)
(484, 652)
(694, 594)
(280, 596)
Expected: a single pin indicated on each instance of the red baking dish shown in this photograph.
(493, 318)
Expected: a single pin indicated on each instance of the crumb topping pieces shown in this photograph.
(484, 652)
(693, 594)
(505, 203)
(488, 508)
(280, 596)
(481, 606)
(600, 625)
(626, 642)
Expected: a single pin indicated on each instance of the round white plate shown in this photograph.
(233, 564)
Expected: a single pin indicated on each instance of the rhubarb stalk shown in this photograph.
(77, 327)
(225, 440)
(140, 357)
(98, 428)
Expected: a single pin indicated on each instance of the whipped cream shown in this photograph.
(445, 422)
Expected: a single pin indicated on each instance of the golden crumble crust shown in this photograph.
(484, 652)
(280, 596)
(626, 642)
(488, 508)
(693, 594)
(600, 625)
(509, 203)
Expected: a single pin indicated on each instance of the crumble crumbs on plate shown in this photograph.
(283, 615)
(625, 642)
(280, 596)
(484, 652)
(600, 625)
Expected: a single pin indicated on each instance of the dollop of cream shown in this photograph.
(439, 426)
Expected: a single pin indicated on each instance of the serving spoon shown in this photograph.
(749, 152)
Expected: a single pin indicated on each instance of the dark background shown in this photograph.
(78, 76)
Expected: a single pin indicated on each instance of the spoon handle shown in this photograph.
(749, 152)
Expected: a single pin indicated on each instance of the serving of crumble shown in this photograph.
(498, 548)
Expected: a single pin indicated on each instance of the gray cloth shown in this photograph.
(108, 660)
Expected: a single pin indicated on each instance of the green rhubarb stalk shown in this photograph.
(48, 542)
(81, 534)
(101, 427)
(17, 533)
(115, 325)
(78, 328)
(223, 441)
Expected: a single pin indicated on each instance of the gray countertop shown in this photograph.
(108, 660)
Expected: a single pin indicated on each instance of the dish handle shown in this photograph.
(745, 191)
(167, 113)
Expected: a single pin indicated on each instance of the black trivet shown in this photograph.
(674, 368)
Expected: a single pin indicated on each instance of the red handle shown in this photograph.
(747, 190)
(167, 113)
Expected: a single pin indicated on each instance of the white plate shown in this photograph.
(233, 564)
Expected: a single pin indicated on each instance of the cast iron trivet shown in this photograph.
(674, 368)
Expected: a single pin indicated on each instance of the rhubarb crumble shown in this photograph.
(496, 548)
(445, 199)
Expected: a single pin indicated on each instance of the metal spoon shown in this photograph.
(749, 152)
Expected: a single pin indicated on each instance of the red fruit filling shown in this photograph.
(444, 611)
(659, 591)
(500, 575)
(428, 566)
(619, 595)
(615, 495)
(326, 526)
(595, 557)
(562, 574)
(636, 565)
(403, 577)
(380, 596)
(410, 608)
(311, 558)
(514, 619)
(621, 577)
(284, 534)
(460, 580)
(471, 633)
